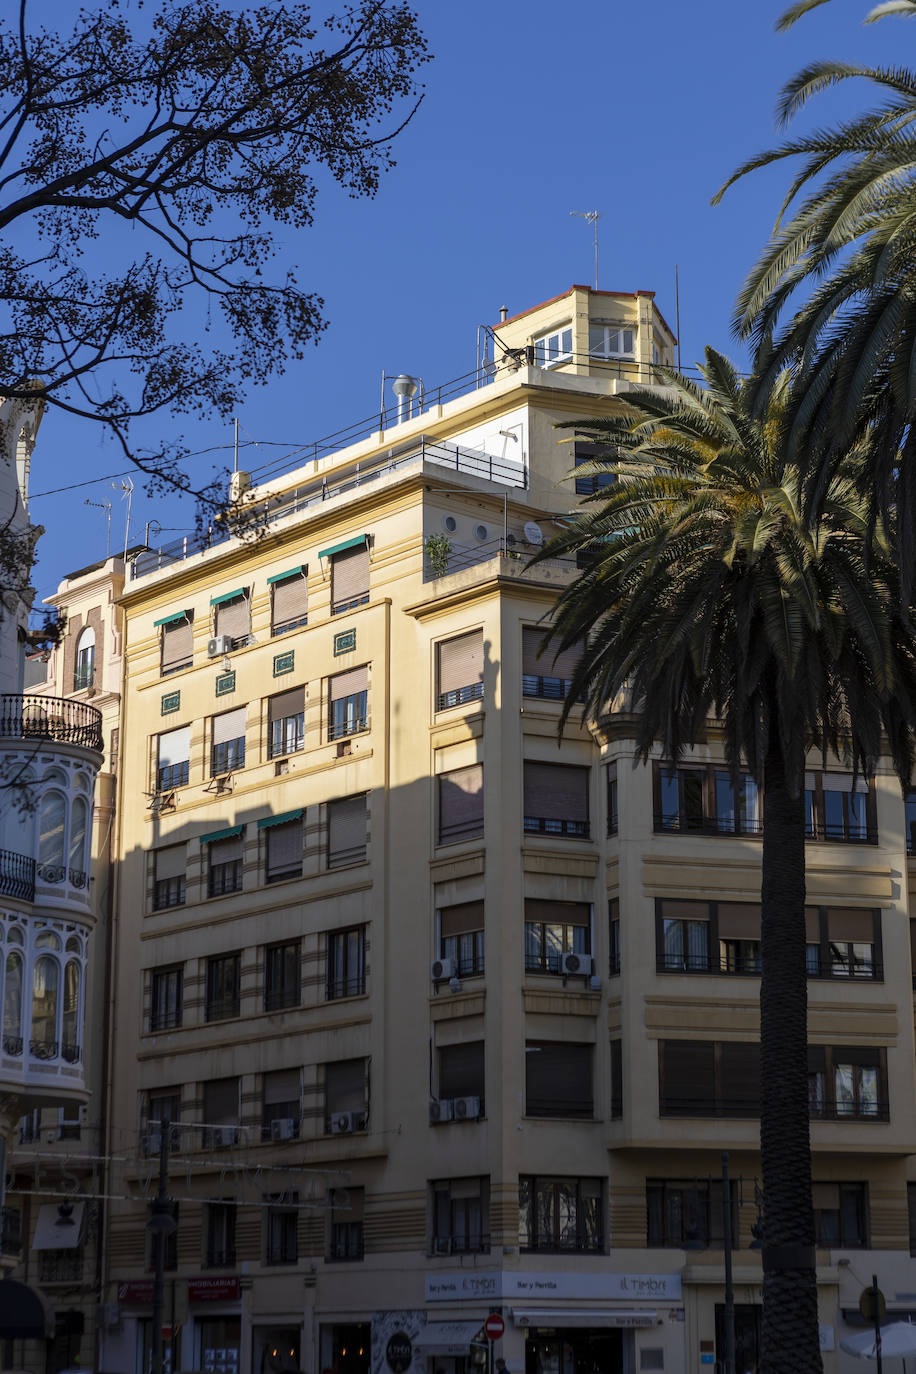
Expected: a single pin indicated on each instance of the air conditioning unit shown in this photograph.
(218, 645)
(576, 963)
(222, 1136)
(441, 970)
(467, 1108)
(283, 1128)
(344, 1123)
(441, 1109)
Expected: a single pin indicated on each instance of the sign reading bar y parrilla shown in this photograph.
(508, 1284)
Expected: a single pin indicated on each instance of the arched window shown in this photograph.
(85, 660)
(70, 1035)
(44, 1007)
(12, 1004)
(74, 944)
(52, 818)
(78, 823)
(47, 940)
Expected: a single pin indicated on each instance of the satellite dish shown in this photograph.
(533, 533)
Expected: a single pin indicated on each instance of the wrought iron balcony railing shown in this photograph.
(30, 716)
(17, 875)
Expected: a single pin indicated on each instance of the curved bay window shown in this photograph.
(12, 1003)
(52, 818)
(45, 986)
(71, 1011)
(79, 824)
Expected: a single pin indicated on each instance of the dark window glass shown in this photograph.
(223, 987)
(560, 1213)
(281, 976)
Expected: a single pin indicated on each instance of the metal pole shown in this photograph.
(877, 1316)
(677, 316)
(160, 1207)
(729, 1285)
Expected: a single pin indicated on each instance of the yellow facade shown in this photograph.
(316, 808)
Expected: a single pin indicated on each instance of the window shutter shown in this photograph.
(461, 802)
(825, 1197)
(739, 1078)
(348, 684)
(284, 704)
(461, 920)
(233, 618)
(284, 847)
(557, 913)
(230, 725)
(461, 1070)
(175, 746)
(550, 663)
(817, 1058)
(290, 599)
(225, 851)
(171, 861)
(177, 642)
(685, 911)
(461, 662)
(688, 1076)
(221, 1101)
(345, 1085)
(558, 1079)
(842, 782)
(347, 824)
(739, 921)
(350, 1208)
(556, 791)
(349, 574)
(845, 923)
(281, 1086)
(812, 925)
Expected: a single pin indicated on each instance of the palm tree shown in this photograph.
(708, 592)
(845, 233)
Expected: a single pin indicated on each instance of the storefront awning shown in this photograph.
(56, 1232)
(447, 1338)
(25, 1314)
(584, 1316)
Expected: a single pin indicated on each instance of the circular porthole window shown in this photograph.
(481, 532)
(511, 540)
(450, 523)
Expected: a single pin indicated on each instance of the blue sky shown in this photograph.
(532, 110)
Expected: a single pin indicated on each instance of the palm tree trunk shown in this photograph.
(789, 1328)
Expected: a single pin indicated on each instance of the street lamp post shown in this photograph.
(160, 1225)
(729, 1284)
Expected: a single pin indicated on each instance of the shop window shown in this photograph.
(282, 977)
(282, 1225)
(221, 1113)
(460, 1216)
(459, 676)
(345, 1347)
(166, 989)
(286, 721)
(345, 1235)
(461, 937)
(461, 804)
(556, 800)
(288, 601)
(220, 1345)
(275, 1349)
(840, 1215)
(345, 1096)
(177, 647)
(223, 986)
(553, 929)
(558, 1079)
(169, 867)
(557, 1214)
(347, 829)
(346, 964)
(220, 1230)
(281, 1112)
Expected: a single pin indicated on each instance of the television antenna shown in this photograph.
(591, 217)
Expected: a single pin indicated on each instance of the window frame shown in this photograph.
(223, 1006)
(740, 823)
(171, 979)
(350, 985)
(548, 961)
(550, 1106)
(553, 1244)
(448, 1201)
(289, 992)
(544, 357)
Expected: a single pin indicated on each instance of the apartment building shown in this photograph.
(50, 755)
(432, 1013)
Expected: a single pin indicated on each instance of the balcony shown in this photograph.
(53, 718)
(552, 825)
(671, 822)
(17, 876)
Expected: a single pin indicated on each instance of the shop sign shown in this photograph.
(399, 1352)
(213, 1290)
(135, 1291)
(506, 1285)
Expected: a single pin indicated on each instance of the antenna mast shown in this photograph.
(591, 217)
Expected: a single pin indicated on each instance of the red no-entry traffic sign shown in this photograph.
(494, 1326)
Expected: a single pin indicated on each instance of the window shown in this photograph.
(688, 1212)
(547, 675)
(349, 578)
(709, 1078)
(555, 348)
(224, 864)
(169, 876)
(346, 974)
(611, 341)
(288, 601)
(84, 673)
(613, 911)
(169, 1239)
(616, 1080)
(281, 976)
(706, 800)
(834, 810)
(847, 1083)
(598, 481)
(165, 999)
(909, 807)
(852, 947)
(459, 675)
(345, 1240)
(173, 758)
(556, 799)
(684, 937)
(349, 698)
(347, 820)
(228, 751)
(911, 1214)
(162, 1106)
(747, 1335)
(612, 799)
(553, 929)
(232, 616)
(558, 1079)
(460, 1216)
(560, 1213)
(220, 1234)
(461, 1077)
(177, 648)
(345, 1095)
(281, 1110)
(840, 1215)
(68, 1121)
(282, 1232)
(283, 847)
(461, 804)
(461, 937)
(221, 1113)
(286, 719)
(220, 1344)
(223, 987)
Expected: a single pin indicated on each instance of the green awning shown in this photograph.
(347, 544)
(285, 576)
(228, 596)
(171, 619)
(222, 834)
(281, 819)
